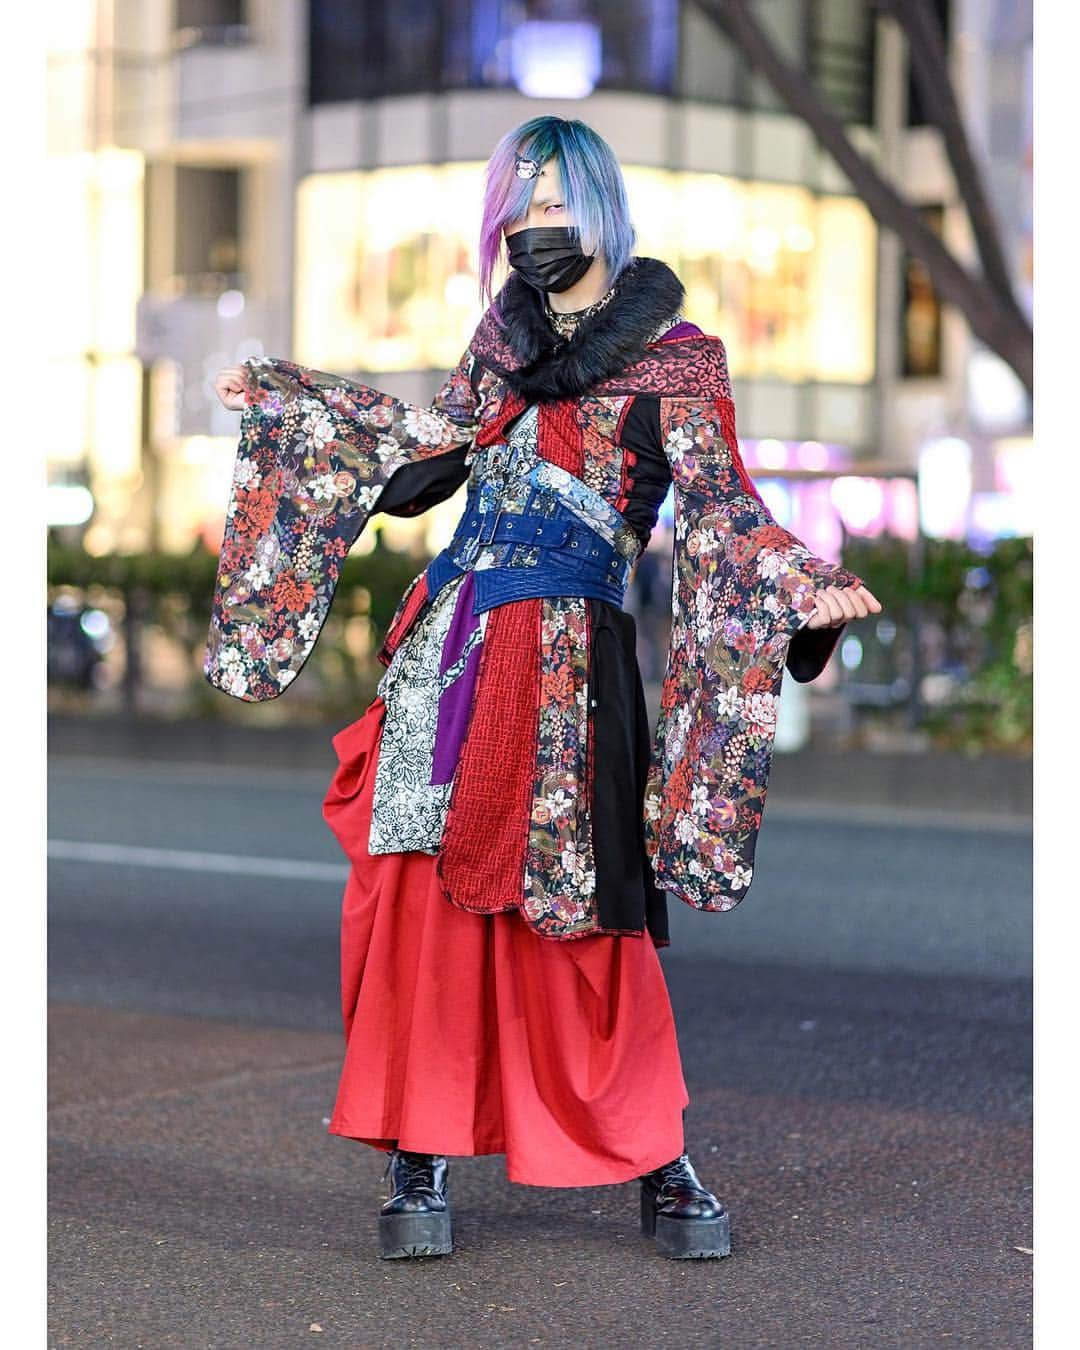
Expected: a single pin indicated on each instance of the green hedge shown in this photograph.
(982, 602)
(947, 579)
(979, 604)
(173, 595)
(383, 574)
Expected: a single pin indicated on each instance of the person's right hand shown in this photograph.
(229, 386)
(836, 605)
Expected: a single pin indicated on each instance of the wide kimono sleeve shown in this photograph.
(742, 590)
(316, 454)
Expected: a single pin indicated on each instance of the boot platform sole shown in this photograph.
(405, 1235)
(686, 1239)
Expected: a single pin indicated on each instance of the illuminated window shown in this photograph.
(387, 269)
(93, 221)
(920, 311)
(367, 48)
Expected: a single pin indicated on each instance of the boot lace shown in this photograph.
(674, 1173)
(418, 1170)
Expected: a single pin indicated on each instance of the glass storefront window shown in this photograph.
(387, 270)
(844, 292)
(94, 222)
(832, 40)
(368, 50)
(386, 267)
(361, 49)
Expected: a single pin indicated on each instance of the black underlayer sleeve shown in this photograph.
(809, 651)
(650, 474)
(415, 488)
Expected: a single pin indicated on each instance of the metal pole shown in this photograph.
(916, 575)
(134, 604)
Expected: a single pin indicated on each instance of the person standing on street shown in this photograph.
(512, 822)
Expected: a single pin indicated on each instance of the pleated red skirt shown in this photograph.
(470, 1034)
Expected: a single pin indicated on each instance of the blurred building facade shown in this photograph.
(304, 179)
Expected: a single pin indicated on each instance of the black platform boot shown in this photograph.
(685, 1219)
(415, 1221)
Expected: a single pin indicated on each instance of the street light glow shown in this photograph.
(944, 487)
(555, 60)
(68, 504)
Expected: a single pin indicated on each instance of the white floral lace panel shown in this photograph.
(408, 811)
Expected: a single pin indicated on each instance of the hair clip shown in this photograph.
(526, 168)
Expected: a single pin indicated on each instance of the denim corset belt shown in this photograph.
(532, 529)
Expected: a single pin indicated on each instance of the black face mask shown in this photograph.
(548, 257)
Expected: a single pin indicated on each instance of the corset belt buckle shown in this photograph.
(487, 536)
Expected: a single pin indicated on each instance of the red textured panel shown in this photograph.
(726, 408)
(629, 459)
(559, 436)
(494, 430)
(482, 858)
(627, 404)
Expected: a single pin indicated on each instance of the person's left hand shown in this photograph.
(229, 387)
(835, 605)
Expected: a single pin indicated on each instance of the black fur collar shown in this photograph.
(542, 367)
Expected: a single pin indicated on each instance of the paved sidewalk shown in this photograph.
(856, 1040)
(869, 1137)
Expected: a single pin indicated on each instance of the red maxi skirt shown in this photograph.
(471, 1034)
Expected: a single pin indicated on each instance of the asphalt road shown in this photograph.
(856, 1040)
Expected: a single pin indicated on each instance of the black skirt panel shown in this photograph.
(627, 898)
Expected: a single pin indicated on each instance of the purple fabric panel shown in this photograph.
(454, 708)
(682, 330)
(456, 701)
(461, 625)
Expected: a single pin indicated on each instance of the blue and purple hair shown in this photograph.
(593, 191)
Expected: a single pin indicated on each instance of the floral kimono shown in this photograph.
(514, 744)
